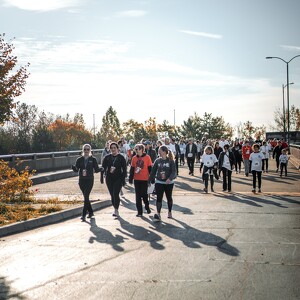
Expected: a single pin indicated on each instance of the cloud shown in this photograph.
(42, 5)
(202, 34)
(131, 13)
(291, 48)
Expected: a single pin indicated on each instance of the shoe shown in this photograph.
(192, 174)
(116, 213)
(276, 170)
(236, 172)
(138, 215)
(82, 219)
(91, 216)
(259, 190)
(212, 190)
(224, 190)
(156, 218)
(169, 215)
(229, 191)
(254, 191)
(148, 210)
(205, 190)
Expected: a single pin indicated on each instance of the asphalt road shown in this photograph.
(217, 246)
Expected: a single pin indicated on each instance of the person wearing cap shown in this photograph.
(86, 165)
(190, 154)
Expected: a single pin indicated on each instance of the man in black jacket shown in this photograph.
(190, 154)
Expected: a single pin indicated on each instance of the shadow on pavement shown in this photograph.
(5, 291)
(140, 233)
(192, 237)
(104, 236)
(249, 200)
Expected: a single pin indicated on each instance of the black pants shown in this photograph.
(141, 188)
(160, 190)
(265, 162)
(238, 165)
(191, 162)
(277, 162)
(283, 166)
(205, 178)
(226, 179)
(258, 173)
(182, 159)
(86, 185)
(176, 163)
(114, 187)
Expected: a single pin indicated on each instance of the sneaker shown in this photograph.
(91, 216)
(148, 210)
(212, 190)
(116, 213)
(224, 190)
(259, 190)
(139, 215)
(156, 217)
(170, 215)
(254, 191)
(205, 190)
(229, 191)
(82, 219)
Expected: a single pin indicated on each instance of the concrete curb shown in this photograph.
(49, 219)
(43, 178)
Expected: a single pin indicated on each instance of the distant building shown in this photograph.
(294, 136)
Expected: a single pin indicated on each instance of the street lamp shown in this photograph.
(288, 91)
(283, 110)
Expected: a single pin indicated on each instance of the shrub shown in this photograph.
(14, 185)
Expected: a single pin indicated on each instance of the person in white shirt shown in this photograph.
(223, 142)
(265, 151)
(182, 147)
(210, 163)
(283, 161)
(256, 166)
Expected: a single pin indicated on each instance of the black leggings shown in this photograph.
(283, 166)
(160, 190)
(141, 188)
(258, 173)
(226, 179)
(114, 187)
(86, 185)
(265, 162)
(205, 178)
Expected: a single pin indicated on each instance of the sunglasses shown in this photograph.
(86, 149)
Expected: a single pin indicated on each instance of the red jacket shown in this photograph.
(246, 151)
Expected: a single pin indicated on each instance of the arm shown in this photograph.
(153, 171)
(131, 174)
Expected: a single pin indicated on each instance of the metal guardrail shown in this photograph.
(46, 161)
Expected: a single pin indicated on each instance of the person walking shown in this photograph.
(182, 147)
(226, 164)
(209, 162)
(86, 165)
(237, 152)
(246, 151)
(256, 167)
(150, 151)
(163, 174)
(190, 154)
(265, 151)
(115, 169)
(276, 153)
(140, 169)
(283, 160)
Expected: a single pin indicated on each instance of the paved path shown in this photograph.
(217, 246)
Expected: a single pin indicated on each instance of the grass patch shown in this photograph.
(22, 211)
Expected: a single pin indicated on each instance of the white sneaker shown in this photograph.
(156, 218)
(116, 213)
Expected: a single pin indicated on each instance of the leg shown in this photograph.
(254, 179)
(211, 182)
(117, 185)
(159, 196)
(263, 164)
(259, 180)
(285, 169)
(267, 165)
(168, 190)
(138, 197)
(281, 169)
(206, 181)
(144, 195)
(229, 180)
(224, 174)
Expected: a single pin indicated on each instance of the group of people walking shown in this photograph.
(149, 165)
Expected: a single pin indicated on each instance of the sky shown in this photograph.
(166, 59)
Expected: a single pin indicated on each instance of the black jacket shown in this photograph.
(119, 164)
(231, 159)
(90, 165)
(194, 151)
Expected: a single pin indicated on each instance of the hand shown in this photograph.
(168, 181)
(74, 168)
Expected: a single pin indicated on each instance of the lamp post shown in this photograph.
(283, 110)
(288, 91)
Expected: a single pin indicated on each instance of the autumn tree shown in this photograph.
(165, 127)
(294, 119)
(151, 128)
(133, 130)
(12, 82)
